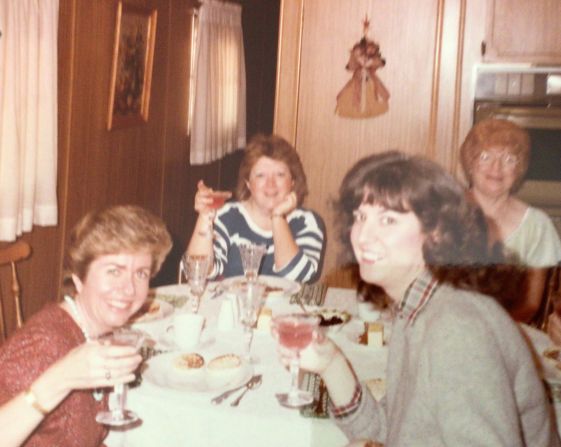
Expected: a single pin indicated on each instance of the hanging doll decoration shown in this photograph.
(364, 96)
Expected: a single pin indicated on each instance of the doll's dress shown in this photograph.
(362, 97)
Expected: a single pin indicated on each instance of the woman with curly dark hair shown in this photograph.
(459, 371)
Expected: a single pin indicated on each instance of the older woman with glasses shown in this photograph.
(495, 156)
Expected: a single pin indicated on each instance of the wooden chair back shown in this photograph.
(11, 254)
(552, 288)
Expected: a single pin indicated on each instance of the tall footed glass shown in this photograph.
(252, 255)
(119, 415)
(250, 299)
(196, 271)
(294, 332)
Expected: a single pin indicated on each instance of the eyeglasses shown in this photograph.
(506, 159)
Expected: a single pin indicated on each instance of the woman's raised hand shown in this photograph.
(316, 357)
(93, 365)
(203, 199)
(207, 200)
(286, 206)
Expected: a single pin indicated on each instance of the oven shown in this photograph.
(530, 97)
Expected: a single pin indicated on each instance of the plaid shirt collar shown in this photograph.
(416, 297)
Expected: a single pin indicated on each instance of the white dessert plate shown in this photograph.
(275, 286)
(162, 372)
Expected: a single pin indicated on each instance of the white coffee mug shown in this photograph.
(186, 329)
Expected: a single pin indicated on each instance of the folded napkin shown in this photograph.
(318, 408)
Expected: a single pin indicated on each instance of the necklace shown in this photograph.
(77, 316)
(97, 394)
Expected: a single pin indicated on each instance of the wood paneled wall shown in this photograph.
(430, 48)
(148, 164)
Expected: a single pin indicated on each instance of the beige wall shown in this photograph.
(430, 48)
(146, 164)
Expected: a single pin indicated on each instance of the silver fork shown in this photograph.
(252, 384)
(299, 301)
(225, 394)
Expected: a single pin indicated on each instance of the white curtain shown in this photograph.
(28, 115)
(218, 116)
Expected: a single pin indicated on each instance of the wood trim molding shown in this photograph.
(455, 139)
(291, 20)
(431, 144)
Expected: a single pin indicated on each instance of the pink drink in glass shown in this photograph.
(219, 198)
(294, 334)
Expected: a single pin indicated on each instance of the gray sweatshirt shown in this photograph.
(459, 374)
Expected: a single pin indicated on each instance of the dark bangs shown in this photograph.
(381, 188)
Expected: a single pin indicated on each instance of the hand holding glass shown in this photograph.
(251, 255)
(119, 415)
(196, 270)
(294, 332)
(218, 198)
(250, 298)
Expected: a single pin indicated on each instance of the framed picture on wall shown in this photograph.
(131, 73)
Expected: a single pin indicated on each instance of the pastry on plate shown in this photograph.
(225, 362)
(224, 370)
(189, 362)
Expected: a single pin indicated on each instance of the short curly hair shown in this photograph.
(117, 229)
(278, 149)
(493, 132)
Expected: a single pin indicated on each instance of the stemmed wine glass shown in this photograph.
(196, 271)
(119, 415)
(250, 298)
(294, 332)
(251, 255)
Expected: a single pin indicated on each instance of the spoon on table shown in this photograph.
(252, 384)
(225, 394)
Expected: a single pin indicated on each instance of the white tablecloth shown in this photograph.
(176, 418)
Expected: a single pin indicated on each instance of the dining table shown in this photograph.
(172, 416)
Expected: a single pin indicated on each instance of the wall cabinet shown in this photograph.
(523, 31)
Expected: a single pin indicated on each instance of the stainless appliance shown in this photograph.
(531, 97)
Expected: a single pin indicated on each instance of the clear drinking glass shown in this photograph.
(251, 297)
(294, 332)
(196, 271)
(251, 255)
(119, 415)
